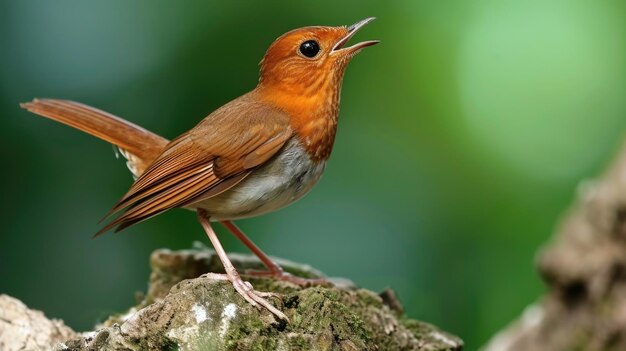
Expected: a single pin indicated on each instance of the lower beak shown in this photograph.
(339, 46)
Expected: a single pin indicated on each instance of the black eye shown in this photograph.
(309, 48)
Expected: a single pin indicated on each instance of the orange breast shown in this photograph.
(313, 116)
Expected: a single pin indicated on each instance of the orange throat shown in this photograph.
(313, 110)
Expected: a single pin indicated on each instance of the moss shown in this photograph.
(314, 311)
(299, 342)
(330, 318)
(192, 315)
(419, 328)
(368, 298)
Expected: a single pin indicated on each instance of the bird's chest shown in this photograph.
(282, 180)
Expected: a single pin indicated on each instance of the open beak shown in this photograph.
(339, 46)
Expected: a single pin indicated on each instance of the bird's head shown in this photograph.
(301, 74)
(308, 59)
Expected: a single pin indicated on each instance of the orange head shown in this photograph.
(306, 59)
(301, 74)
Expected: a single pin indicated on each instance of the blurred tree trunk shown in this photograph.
(585, 269)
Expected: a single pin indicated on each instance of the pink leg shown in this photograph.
(245, 289)
(274, 270)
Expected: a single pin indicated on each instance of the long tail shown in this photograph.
(138, 145)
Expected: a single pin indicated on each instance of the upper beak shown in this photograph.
(339, 46)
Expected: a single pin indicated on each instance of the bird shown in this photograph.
(256, 154)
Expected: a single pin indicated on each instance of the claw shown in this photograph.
(246, 290)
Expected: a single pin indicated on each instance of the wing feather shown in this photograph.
(209, 159)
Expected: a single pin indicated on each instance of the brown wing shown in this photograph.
(208, 160)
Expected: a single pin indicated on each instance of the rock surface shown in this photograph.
(25, 329)
(182, 312)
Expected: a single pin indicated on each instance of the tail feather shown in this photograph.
(138, 145)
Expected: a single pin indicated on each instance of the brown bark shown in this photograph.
(584, 268)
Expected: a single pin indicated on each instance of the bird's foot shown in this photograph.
(245, 289)
(281, 275)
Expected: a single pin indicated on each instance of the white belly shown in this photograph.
(282, 180)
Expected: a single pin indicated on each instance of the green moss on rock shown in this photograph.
(203, 314)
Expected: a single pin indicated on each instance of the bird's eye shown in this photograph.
(309, 48)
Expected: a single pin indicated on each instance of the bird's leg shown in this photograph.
(274, 270)
(244, 288)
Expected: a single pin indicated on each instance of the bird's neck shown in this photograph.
(313, 109)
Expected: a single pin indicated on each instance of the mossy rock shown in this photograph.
(203, 314)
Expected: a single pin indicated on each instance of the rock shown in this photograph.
(25, 329)
(182, 312)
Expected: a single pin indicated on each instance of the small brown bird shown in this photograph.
(256, 154)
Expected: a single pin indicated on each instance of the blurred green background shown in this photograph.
(462, 138)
